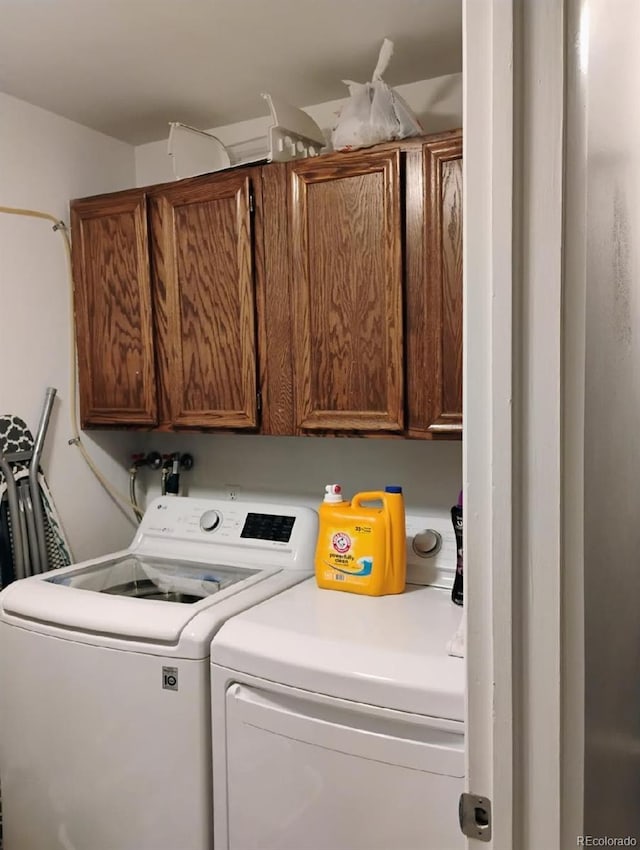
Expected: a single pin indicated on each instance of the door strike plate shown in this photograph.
(474, 813)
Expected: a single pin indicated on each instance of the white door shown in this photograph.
(516, 466)
(319, 774)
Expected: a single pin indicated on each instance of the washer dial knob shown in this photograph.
(210, 520)
(427, 543)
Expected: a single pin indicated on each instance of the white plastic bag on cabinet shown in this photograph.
(374, 112)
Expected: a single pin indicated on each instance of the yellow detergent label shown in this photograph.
(348, 554)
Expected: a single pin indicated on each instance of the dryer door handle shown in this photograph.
(349, 727)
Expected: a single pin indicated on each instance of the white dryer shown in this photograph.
(105, 720)
(339, 719)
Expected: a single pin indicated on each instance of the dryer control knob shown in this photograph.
(210, 520)
(427, 543)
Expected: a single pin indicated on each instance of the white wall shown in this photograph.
(263, 467)
(45, 161)
(437, 103)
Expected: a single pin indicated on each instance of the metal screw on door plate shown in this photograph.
(474, 813)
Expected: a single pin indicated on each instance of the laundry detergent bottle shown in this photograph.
(362, 547)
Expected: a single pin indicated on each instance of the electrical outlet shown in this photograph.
(233, 491)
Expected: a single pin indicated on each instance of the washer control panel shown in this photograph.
(274, 532)
(257, 526)
(268, 527)
(210, 520)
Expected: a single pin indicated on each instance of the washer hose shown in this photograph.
(133, 471)
(75, 440)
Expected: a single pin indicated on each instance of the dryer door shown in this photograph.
(308, 773)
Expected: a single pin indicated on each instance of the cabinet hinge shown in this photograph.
(259, 402)
(251, 202)
(474, 814)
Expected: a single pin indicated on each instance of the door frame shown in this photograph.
(514, 78)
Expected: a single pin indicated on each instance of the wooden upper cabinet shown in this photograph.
(114, 319)
(434, 287)
(328, 288)
(205, 301)
(345, 222)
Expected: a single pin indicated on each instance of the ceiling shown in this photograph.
(128, 67)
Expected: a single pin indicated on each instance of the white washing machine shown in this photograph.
(339, 719)
(105, 719)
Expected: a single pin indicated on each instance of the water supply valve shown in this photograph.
(171, 467)
(153, 460)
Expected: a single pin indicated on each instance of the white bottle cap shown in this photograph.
(333, 493)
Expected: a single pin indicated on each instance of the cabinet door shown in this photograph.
(204, 283)
(346, 230)
(434, 288)
(112, 291)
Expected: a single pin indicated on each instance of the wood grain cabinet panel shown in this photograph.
(273, 288)
(346, 232)
(205, 296)
(112, 293)
(434, 288)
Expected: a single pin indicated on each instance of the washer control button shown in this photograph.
(427, 543)
(210, 520)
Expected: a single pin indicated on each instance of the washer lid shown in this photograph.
(129, 596)
(389, 651)
(148, 577)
